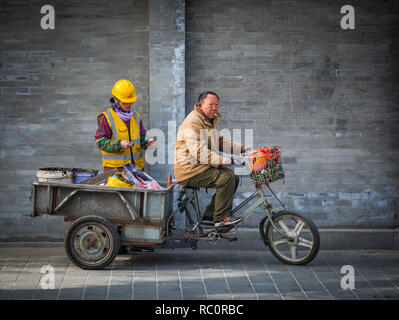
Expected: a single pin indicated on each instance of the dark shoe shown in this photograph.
(206, 218)
(226, 221)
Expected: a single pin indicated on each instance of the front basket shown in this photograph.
(268, 175)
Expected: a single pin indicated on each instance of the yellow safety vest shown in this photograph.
(120, 132)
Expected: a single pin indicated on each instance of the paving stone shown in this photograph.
(121, 284)
(310, 283)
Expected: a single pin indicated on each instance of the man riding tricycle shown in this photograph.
(198, 164)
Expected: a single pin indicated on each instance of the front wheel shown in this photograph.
(301, 242)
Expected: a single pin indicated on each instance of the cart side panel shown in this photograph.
(40, 200)
(138, 233)
(158, 205)
(107, 205)
(168, 204)
(149, 205)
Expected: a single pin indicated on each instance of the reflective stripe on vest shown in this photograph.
(113, 126)
(122, 156)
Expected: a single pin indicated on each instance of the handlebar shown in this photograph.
(241, 157)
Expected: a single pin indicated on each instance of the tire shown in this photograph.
(302, 244)
(262, 230)
(92, 242)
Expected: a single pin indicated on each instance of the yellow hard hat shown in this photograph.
(124, 91)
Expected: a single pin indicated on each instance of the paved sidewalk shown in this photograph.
(199, 275)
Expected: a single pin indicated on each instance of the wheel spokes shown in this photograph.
(305, 243)
(281, 241)
(292, 228)
(293, 252)
(284, 226)
(298, 228)
(292, 238)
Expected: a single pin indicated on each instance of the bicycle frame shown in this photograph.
(193, 200)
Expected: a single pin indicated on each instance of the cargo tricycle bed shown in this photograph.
(104, 218)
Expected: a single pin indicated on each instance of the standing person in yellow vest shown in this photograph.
(121, 136)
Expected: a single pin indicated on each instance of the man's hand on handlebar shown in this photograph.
(246, 149)
(225, 162)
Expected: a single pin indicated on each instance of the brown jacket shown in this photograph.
(198, 145)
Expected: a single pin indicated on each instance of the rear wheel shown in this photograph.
(92, 242)
(301, 243)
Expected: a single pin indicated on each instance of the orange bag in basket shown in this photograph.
(262, 158)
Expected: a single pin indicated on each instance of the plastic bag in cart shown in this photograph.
(117, 181)
(139, 178)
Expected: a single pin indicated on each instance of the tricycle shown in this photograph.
(104, 219)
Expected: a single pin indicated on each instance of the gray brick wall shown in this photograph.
(53, 84)
(328, 97)
(285, 69)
